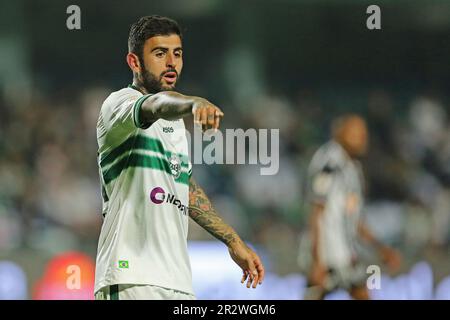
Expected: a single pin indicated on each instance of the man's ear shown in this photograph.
(133, 62)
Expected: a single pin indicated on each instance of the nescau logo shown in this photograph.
(175, 166)
(157, 195)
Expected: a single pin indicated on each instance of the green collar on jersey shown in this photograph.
(134, 87)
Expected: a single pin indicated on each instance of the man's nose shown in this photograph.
(170, 62)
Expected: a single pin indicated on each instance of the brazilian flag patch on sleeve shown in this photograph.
(123, 264)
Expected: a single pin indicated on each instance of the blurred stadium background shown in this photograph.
(290, 64)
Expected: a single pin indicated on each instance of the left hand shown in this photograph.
(249, 262)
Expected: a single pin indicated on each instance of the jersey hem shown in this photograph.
(102, 285)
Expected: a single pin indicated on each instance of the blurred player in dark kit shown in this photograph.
(336, 198)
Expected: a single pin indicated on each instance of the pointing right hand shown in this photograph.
(206, 115)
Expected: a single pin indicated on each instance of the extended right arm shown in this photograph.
(167, 105)
(172, 105)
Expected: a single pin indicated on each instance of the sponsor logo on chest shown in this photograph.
(159, 196)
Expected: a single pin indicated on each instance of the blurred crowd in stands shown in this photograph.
(50, 199)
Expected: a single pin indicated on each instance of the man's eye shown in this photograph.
(178, 54)
(160, 54)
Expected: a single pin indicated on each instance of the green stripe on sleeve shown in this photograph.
(136, 112)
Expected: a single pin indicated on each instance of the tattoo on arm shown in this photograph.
(203, 213)
(169, 105)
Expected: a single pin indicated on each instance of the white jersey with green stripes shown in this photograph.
(144, 174)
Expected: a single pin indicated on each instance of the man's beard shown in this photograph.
(153, 84)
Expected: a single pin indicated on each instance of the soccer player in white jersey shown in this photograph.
(336, 196)
(147, 185)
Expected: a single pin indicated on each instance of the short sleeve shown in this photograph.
(320, 184)
(117, 112)
(121, 110)
(323, 172)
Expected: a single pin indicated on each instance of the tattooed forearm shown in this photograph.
(203, 213)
